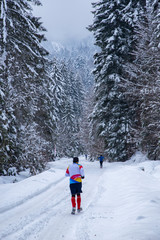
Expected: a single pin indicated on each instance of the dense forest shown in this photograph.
(101, 98)
(126, 112)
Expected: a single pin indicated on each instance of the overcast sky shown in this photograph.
(65, 19)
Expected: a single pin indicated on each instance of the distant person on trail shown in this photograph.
(76, 173)
(101, 159)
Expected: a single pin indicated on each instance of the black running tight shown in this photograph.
(78, 194)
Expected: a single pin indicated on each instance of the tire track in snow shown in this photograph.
(91, 197)
(84, 232)
(30, 220)
(32, 224)
(67, 225)
(24, 200)
(50, 209)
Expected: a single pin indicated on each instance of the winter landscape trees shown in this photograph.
(126, 105)
(40, 98)
(144, 79)
(47, 102)
(23, 70)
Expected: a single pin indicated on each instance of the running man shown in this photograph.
(76, 173)
(101, 159)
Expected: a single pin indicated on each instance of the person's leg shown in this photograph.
(79, 191)
(73, 200)
(78, 201)
(73, 194)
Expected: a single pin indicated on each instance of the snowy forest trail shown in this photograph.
(120, 202)
(33, 215)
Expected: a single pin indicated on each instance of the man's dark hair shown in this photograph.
(75, 160)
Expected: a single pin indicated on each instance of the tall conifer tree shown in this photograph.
(24, 64)
(144, 75)
(113, 30)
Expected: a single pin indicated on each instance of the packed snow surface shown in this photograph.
(121, 201)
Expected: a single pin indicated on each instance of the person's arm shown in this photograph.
(67, 172)
(82, 172)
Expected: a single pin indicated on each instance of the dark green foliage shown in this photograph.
(113, 31)
(126, 105)
(24, 84)
(144, 76)
(68, 127)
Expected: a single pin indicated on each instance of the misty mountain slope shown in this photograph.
(79, 54)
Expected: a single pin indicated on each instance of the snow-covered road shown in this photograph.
(120, 202)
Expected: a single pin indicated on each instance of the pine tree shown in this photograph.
(68, 140)
(8, 133)
(144, 76)
(25, 77)
(57, 99)
(113, 29)
(91, 145)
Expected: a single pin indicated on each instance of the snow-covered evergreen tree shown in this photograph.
(144, 81)
(91, 145)
(68, 142)
(57, 99)
(8, 132)
(74, 80)
(80, 54)
(113, 29)
(25, 76)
